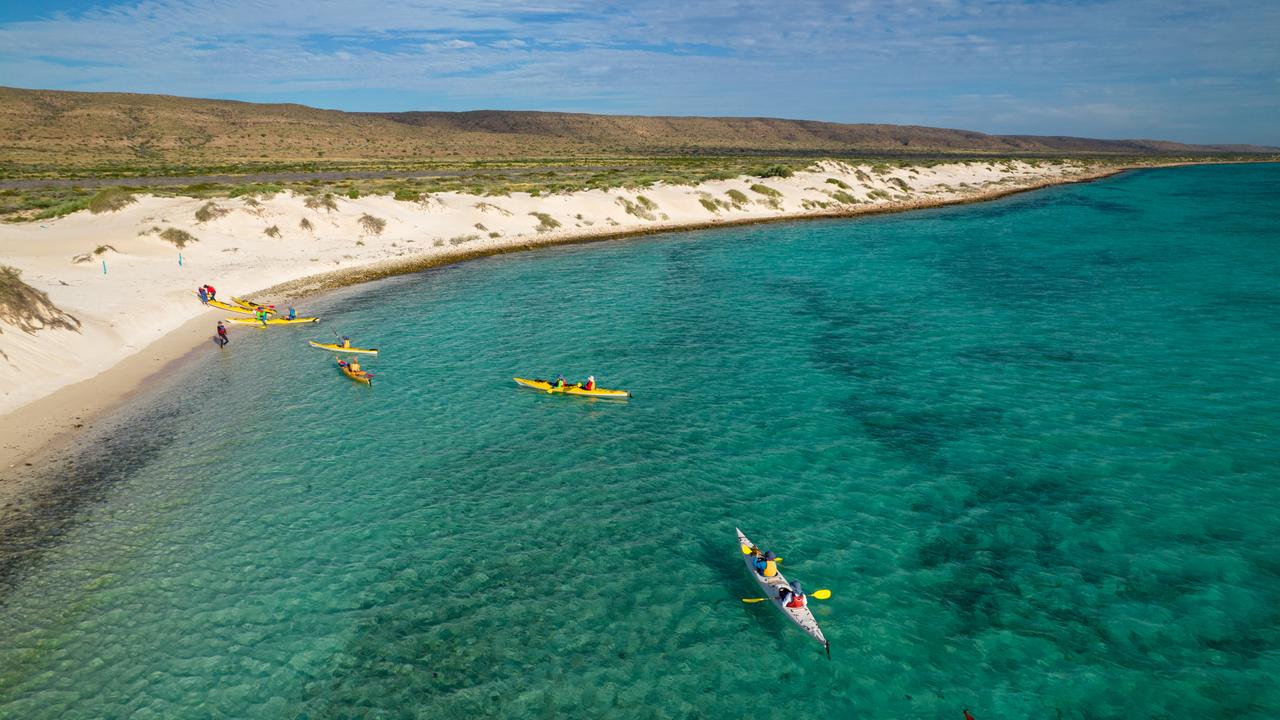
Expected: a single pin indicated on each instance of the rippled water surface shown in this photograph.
(1031, 447)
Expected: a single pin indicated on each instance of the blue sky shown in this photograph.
(1167, 69)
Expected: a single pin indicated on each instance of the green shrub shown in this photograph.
(405, 195)
(353, 193)
(844, 197)
(878, 195)
(766, 191)
(463, 239)
(738, 197)
(778, 171)
(839, 183)
(305, 224)
(109, 200)
(709, 204)
(273, 231)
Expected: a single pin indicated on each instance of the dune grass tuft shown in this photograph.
(27, 308)
(546, 223)
(179, 238)
(372, 225)
(273, 232)
(210, 211)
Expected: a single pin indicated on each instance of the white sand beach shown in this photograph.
(53, 380)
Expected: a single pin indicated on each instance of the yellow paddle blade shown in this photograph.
(751, 600)
(821, 594)
(746, 550)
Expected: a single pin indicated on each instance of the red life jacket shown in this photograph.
(797, 601)
(591, 385)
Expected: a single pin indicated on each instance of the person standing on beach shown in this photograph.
(213, 294)
(222, 335)
(204, 296)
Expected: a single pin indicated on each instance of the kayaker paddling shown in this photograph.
(591, 383)
(765, 564)
(789, 598)
(793, 596)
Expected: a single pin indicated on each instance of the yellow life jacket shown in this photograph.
(770, 568)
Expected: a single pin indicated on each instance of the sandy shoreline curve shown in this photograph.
(38, 428)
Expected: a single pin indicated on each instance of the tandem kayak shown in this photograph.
(360, 376)
(599, 392)
(251, 305)
(771, 585)
(338, 348)
(272, 321)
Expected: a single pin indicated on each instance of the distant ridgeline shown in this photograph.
(69, 129)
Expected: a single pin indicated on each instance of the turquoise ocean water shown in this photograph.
(1031, 446)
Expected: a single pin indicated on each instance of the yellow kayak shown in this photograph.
(272, 321)
(251, 305)
(338, 348)
(577, 389)
(359, 376)
(229, 307)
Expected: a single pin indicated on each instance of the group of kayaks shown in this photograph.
(773, 586)
(249, 307)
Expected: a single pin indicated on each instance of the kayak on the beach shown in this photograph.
(771, 585)
(273, 321)
(546, 386)
(229, 307)
(338, 348)
(271, 309)
(360, 376)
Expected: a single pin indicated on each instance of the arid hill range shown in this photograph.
(74, 129)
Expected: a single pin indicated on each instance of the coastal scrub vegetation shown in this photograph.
(642, 208)
(738, 197)
(273, 232)
(839, 183)
(27, 308)
(778, 171)
(305, 224)
(773, 198)
(210, 211)
(109, 200)
(179, 238)
(546, 223)
(321, 202)
(372, 225)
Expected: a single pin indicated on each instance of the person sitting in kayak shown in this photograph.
(559, 383)
(766, 564)
(793, 597)
(354, 366)
(346, 341)
(293, 314)
(262, 316)
(591, 383)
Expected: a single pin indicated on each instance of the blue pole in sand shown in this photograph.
(179, 259)
(104, 267)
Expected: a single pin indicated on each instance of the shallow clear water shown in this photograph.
(1031, 447)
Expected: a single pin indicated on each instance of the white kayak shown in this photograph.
(771, 585)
